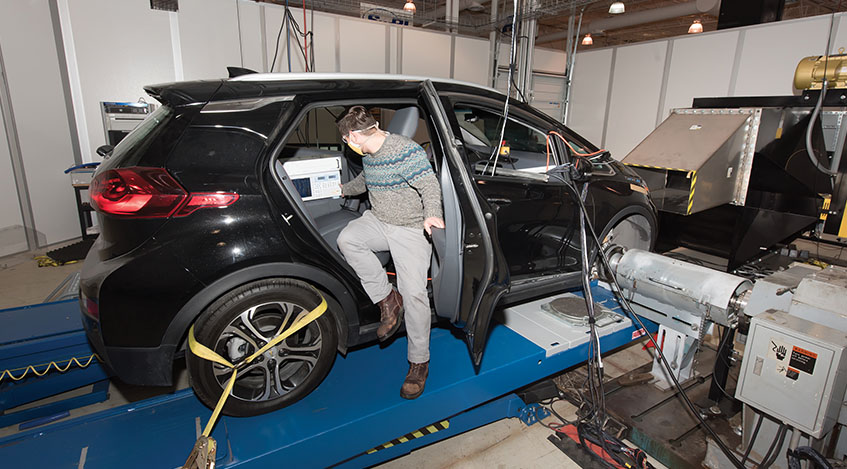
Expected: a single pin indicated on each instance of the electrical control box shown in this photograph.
(315, 178)
(794, 370)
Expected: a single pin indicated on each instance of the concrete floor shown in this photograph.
(503, 444)
(22, 282)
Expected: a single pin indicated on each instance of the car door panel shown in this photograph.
(485, 277)
(535, 214)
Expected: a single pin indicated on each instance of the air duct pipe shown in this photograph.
(697, 7)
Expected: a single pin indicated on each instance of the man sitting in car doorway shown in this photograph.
(405, 201)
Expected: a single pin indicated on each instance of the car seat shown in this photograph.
(403, 122)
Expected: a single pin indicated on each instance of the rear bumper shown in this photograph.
(148, 366)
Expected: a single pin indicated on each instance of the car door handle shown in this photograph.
(498, 201)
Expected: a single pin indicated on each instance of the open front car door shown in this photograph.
(483, 273)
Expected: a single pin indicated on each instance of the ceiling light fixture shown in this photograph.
(410, 7)
(587, 41)
(696, 27)
(617, 8)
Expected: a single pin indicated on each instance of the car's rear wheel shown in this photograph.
(631, 232)
(241, 322)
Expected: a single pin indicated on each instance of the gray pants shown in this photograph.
(411, 253)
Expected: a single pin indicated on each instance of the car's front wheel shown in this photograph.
(245, 319)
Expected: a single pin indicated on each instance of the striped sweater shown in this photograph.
(400, 183)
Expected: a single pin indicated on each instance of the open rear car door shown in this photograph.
(479, 267)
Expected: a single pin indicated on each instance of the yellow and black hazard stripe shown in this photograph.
(827, 200)
(657, 167)
(428, 430)
(691, 192)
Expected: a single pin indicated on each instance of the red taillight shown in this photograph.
(138, 192)
(90, 308)
(197, 200)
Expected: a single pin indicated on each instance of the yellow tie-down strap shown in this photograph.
(81, 362)
(206, 353)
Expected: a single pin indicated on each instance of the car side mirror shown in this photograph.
(105, 150)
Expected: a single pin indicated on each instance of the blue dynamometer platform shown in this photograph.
(356, 409)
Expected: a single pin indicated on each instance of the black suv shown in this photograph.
(222, 210)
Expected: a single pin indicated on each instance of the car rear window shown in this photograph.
(149, 143)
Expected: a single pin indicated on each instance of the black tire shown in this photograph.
(265, 305)
(632, 232)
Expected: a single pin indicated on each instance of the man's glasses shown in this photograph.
(344, 137)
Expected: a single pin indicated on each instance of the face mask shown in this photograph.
(356, 148)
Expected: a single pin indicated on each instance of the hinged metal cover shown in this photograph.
(707, 148)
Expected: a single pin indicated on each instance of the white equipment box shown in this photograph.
(794, 370)
(560, 322)
(315, 178)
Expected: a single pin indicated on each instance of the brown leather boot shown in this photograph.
(413, 386)
(390, 315)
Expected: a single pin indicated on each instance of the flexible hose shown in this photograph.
(812, 157)
(809, 150)
(807, 452)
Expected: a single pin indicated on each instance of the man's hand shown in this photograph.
(433, 222)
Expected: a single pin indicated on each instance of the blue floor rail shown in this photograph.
(355, 418)
(36, 336)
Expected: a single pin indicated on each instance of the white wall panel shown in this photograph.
(840, 39)
(120, 48)
(250, 31)
(208, 33)
(325, 40)
(701, 66)
(426, 53)
(38, 101)
(589, 90)
(547, 94)
(362, 46)
(12, 235)
(471, 60)
(772, 51)
(635, 96)
(549, 60)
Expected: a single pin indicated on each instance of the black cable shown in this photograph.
(779, 437)
(278, 36)
(625, 303)
(512, 59)
(752, 439)
(719, 354)
(288, 18)
(517, 88)
(808, 453)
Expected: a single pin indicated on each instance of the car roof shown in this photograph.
(277, 84)
(356, 77)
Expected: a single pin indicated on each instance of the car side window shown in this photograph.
(527, 145)
(317, 130)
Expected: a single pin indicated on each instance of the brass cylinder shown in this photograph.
(810, 72)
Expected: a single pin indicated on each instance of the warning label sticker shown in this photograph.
(803, 360)
(778, 350)
(791, 373)
(638, 333)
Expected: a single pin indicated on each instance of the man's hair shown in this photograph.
(357, 118)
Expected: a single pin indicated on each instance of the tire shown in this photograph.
(235, 325)
(631, 232)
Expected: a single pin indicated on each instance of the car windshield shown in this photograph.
(484, 127)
